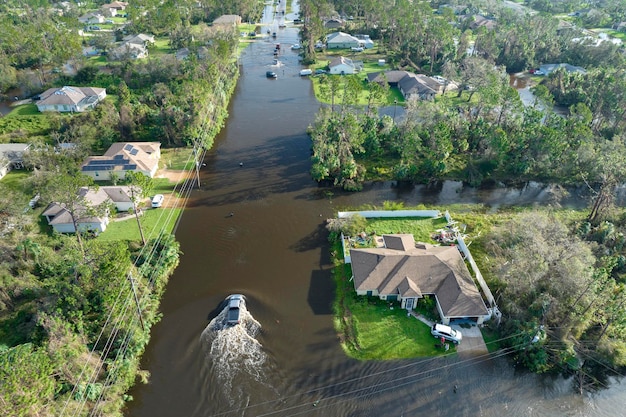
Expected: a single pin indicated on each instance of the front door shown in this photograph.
(409, 303)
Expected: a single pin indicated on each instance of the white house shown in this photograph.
(341, 40)
(92, 17)
(11, 156)
(70, 99)
(61, 220)
(122, 157)
(344, 66)
(129, 51)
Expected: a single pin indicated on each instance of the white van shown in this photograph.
(157, 200)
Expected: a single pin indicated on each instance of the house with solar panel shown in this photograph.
(70, 99)
(123, 157)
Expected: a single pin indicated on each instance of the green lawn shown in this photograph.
(161, 46)
(25, 118)
(16, 181)
(385, 332)
(152, 221)
(420, 228)
(177, 158)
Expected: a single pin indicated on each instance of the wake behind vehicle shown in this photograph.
(271, 74)
(235, 303)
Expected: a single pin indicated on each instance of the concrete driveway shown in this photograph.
(473, 343)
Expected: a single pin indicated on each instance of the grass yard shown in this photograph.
(177, 158)
(420, 228)
(25, 118)
(16, 181)
(385, 332)
(161, 46)
(152, 221)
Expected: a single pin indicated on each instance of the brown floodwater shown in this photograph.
(285, 359)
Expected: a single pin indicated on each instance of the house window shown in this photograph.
(97, 174)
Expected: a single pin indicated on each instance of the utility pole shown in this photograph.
(195, 157)
(132, 286)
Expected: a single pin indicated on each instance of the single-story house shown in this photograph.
(228, 20)
(61, 221)
(479, 21)
(341, 40)
(404, 271)
(334, 23)
(412, 86)
(139, 39)
(70, 99)
(117, 5)
(107, 11)
(122, 157)
(548, 68)
(365, 41)
(92, 17)
(11, 156)
(129, 51)
(343, 66)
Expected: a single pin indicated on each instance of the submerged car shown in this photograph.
(306, 71)
(271, 74)
(447, 332)
(235, 303)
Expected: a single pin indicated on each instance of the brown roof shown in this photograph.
(68, 95)
(415, 270)
(123, 155)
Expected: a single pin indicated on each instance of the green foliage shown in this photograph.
(26, 380)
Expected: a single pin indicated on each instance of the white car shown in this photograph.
(157, 200)
(306, 71)
(357, 49)
(296, 46)
(447, 332)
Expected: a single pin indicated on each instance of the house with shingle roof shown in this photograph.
(12, 156)
(341, 40)
(122, 157)
(70, 99)
(404, 271)
(412, 86)
(61, 220)
(343, 66)
(228, 20)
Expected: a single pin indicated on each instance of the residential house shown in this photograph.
(334, 23)
(548, 68)
(117, 5)
(129, 51)
(344, 66)
(404, 271)
(479, 21)
(182, 54)
(11, 157)
(108, 11)
(122, 157)
(412, 86)
(365, 41)
(91, 18)
(60, 218)
(231, 20)
(70, 99)
(341, 40)
(139, 39)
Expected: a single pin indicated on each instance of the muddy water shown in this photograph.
(273, 250)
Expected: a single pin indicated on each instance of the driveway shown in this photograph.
(473, 343)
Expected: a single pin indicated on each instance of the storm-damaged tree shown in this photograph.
(140, 186)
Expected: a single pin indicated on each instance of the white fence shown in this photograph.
(493, 308)
(390, 213)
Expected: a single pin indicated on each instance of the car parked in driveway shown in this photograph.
(447, 332)
(157, 200)
(357, 49)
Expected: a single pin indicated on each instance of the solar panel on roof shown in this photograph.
(128, 147)
(134, 151)
(118, 157)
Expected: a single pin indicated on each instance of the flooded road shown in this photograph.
(273, 249)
